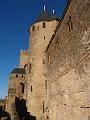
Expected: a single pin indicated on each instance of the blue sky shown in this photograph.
(15, 18)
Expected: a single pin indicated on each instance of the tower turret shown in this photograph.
(40, 34)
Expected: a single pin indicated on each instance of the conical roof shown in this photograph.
(18, 71)
(45, 16)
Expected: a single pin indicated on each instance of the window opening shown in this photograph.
(30, 67)
(69, 23)
(22, 76)
(16, 76)
(46, 84)
(31, 88)
(43, 106)
(44, 25)
(22, 87)
(33, 28)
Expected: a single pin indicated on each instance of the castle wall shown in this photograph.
(58, 80)
(39, 39)
(68, 66)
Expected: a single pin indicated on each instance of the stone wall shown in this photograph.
(39, 39)
(15, 82)
(16, 88)
(68, 66)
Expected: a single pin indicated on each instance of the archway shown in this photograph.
(21, 87)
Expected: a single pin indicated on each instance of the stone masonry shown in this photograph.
(54, 75)
(39, 39)
(16, 88)
(68, 65)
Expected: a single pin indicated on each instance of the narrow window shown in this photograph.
(30, 67)
(22, 76)
(22, 87)
(69, 23)
(43, 106)
(86, 29)
(49, 58)
(33, 28)
(46, 84)
(31, 88)
(44, 37)
(16, 76)
(43, 61)
(44, 25)
(48, 118)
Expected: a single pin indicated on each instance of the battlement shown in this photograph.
(23, 51)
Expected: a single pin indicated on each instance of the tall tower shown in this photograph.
(23, 58)
(40, 34)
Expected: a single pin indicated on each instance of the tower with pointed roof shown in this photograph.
(40, 34)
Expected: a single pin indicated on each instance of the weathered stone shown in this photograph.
(69, 66)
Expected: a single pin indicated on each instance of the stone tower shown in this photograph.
(40, 34)
(23, 58)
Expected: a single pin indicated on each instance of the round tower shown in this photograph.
(40, 34)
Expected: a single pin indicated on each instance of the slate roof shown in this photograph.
(18, 71)
(45, 16)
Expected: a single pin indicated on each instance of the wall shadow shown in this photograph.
(4, 114)
(21, 109)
